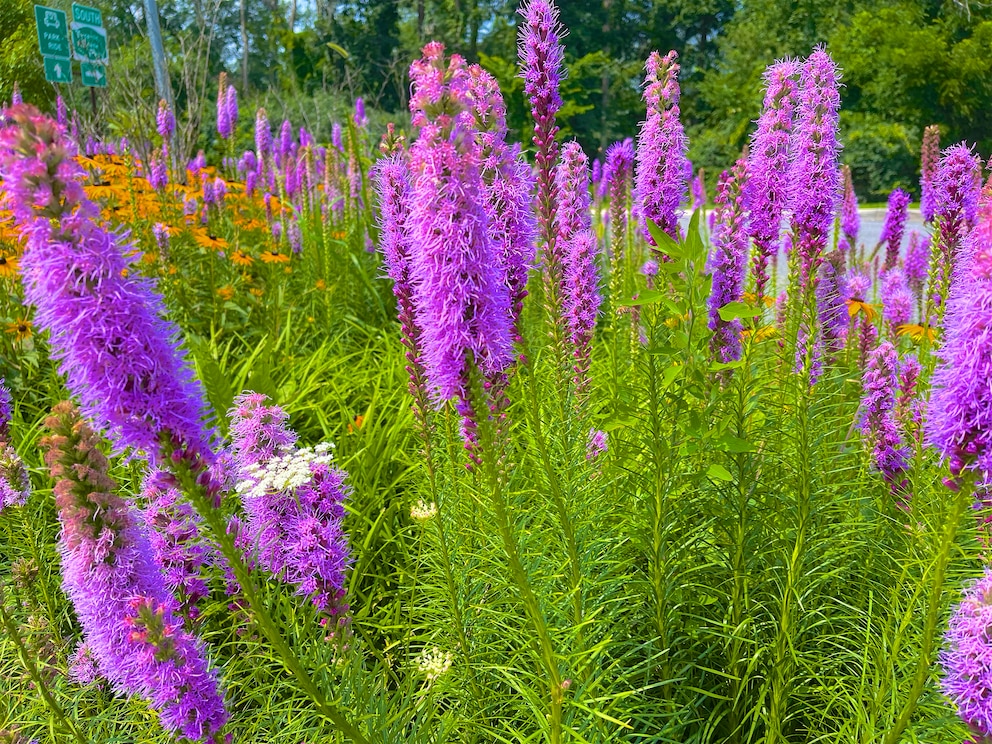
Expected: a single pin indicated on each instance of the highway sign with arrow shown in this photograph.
(94, 74)
(58, 70)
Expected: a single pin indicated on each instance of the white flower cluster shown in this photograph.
(284, 472)
(423, 511)
(434, 663)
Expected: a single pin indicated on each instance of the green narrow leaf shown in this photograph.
(664, 241)
(730, 443)
(735, 310)
(718, 472)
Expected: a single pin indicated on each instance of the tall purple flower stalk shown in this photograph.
(728, 262)
(660, 184)
(15, 485)
(897, 302)
(766, 191)
(956, 194)
(850, 220)
(917, 263)
(129, 618)
(698, 191)
(509, 188)
(165, 121)
(830, 299)
(878, 421)
(959, 419)
(542, 59)
(460, 293)
(814, 173)
(391, 179)
(895, 226)
(224, 124)
(106, 326)
(929, 162)
(967, 658)
(619, 169)
(293, 500)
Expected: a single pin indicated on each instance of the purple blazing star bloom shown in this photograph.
(830, 296)
(619, 169)
(728, 262)
(598, 443)
(878, 422)
(967, 657)
(661, 149)
(224, 124)
(129, 618)
(460, 293)
(850, 220)
(360, 118)
(106, 326)
(897, 302)
(814, 173)
(766, 191)
(895, 225)
(165, 121)
(917, 263)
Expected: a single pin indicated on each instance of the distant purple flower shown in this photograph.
(728, 262)
(929, 162)
(661, 149)
(850, 220)
(967, 657)
(766, 191)
(895, 225)
(897, 302)
(598, 444)
(158, 172)
(293, 235)
(15, 96)
(917, 263)
(285, 142)
(294, 503)
(361, 119)
(597, 174)
(231, 104)
(336, 138)
(165, 121)
(619, 169)
(263, 136)
(814, 172)
(6, 409)
(84, 668)
(542, 59)
(582, 300)
(878, 422)
(15, 484)
(60, 111)
(461, 296)
(106, 326)
(959, 419)
(830, 300)
(128, 616)
(572, 192)
(858, 285)
(698, 191)
(224, 124)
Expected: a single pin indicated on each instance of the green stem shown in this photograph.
(12, 632)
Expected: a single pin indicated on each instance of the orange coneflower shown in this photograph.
(240, 258)
(206, 240)
(321, 285)
(20, 329)
(226, 292)
(256, 291)
(274, 257)
(8, 265)
(916, 332)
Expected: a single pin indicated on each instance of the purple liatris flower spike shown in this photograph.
(582, 300)
(698, 191)
(878, 422)
(728, 262)
(285, 145)
(294, 503)
(360, 118)
(542, 61)
(959, 419)
(231, 104)
(158, 172)
(224, 123)
(814, 172)
(337, 139)
(598, 444)
(6, 409)
(263, 136)
(917, 263)
(165, 121)
(174, 535)
(661, 149)
(830, 299)
(60, 111)
(850, 220)
(15, 96)
(929, 162)
(129, 618)
(15, 484)
(460, 293)
(895, 225)
(106, 326)
(766, 191)
(897, 302)
(619, 169)
(572, 192)
(967, 657)
(956, 193)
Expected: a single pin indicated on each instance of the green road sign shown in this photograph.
(58, 70)
(86, 14)
(94, 74)
(89, 43)
(53, 32)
